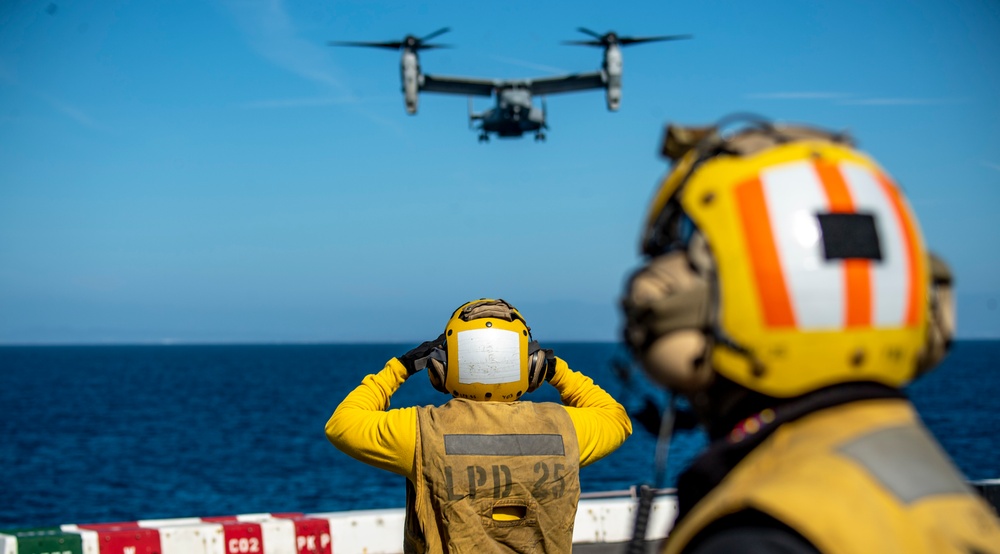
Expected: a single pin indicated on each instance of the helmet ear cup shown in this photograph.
(437, 370)
(541, 365)
(679, 360)
(667, 308)
(941, 316)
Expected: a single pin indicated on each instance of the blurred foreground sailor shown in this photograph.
(485, 472)
(788, 295)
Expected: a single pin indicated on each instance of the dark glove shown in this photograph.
(541, 365)
(416, 359)
(550, 364)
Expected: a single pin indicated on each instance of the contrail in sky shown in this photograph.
(76, 114)
(898, 101)
(72, 112)
(799, 96)
(850, 99)
(530, 65)
(310, 102)
(272, 33)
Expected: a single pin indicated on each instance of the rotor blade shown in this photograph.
(587, 31)
(389, 45)
(638, 40)
(422, 46)
(437, 33)
(584, 42)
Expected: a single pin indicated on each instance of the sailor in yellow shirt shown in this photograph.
(485, 472)
(788, 295)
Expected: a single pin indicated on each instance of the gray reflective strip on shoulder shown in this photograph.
(504, 445)
(907, 462)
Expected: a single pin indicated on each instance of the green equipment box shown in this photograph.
(42, 540)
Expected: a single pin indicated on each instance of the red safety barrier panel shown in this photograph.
(312, 535)
(125, 538)
(241, 537)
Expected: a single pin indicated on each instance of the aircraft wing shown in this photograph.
(566, 83)
(458, 85)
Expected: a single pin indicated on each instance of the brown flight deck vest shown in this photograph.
(474, 456)
(861, 478)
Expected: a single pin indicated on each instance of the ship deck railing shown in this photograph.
(604, 523)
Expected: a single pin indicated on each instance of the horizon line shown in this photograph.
(167, 342)
(164, 342)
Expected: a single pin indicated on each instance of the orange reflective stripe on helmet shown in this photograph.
(766, 265)
(857, 278)
(791, 217)
(914, 262)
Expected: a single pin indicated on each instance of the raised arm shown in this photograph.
(364, 428)
(601, 423)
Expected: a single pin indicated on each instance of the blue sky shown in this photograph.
(211, 171)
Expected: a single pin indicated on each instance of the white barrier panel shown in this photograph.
(368, 531)
(278, 536)
(597, 521)
(188, 536)
(8, 544)
(157, 523)
(612, 519)
(256, 534)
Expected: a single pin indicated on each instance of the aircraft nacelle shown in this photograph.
(409, 68)
(613, 76)
(613, 95)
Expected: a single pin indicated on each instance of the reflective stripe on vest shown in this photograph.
(906, 463)
(858, 478)
(494, 477)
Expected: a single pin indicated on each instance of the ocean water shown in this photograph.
(118, 433)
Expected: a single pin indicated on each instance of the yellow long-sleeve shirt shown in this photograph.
(364, 428)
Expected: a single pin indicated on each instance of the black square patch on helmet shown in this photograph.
(849, 236)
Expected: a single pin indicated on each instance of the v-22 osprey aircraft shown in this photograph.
(514, 114)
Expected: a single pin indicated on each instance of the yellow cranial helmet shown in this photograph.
(784, 260)
(488, 354)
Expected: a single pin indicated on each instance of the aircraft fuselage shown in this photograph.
(514, 114)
